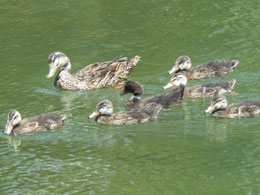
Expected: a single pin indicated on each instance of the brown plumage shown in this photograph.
(220, 108)
(15, 125)
(206, 70)
(208, 90)
(104, 114)
(167, 99)
(93, 76)
(198, 91)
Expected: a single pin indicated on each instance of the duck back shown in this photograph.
(41, 122)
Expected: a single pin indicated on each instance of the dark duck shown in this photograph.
(167, 99)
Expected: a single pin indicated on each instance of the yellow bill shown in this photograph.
(52, 70)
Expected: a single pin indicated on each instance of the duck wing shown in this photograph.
(137, 115)
(167, 99)
(215, 68)
(107, 73)
(41, 123)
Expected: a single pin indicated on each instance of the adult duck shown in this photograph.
(104, 114)
(167, 99)
(206, 90)
(93, 76)
(206, 70)
(15, 125)
(219, 108)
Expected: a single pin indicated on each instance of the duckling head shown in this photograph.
(57, 60)
(177, 80)
(132, 87)
(104, 107)
(14, 118)
(182, 63)
(219, 102)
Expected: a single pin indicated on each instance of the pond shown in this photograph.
(184, 151)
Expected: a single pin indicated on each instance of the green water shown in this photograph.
(183, 152)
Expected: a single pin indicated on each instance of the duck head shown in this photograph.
(182, 63)
(219, 102)
(14, 118)
(132, 87)
(57, 60)
(104, 107)
(177, 80)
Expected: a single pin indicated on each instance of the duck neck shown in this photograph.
(96, 119)
(219, 112)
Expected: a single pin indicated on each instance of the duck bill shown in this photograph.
(9, 128)
(210, 109)
(52, 70)
(174, 69)
(94, 114)
(169, 85)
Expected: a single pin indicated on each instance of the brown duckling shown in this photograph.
(15, 125)
(219, 108)
(207, 90)
(93, 76)
(206, 70)
(167, 99)
(104, 114)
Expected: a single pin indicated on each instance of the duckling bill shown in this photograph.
(93, 76)
(104, 114)
(219, 108)
(15, 125)
(206, 70)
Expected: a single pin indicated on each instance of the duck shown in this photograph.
(103, 114)
(202, 91)
(166, 99)
(43, 122)
(219, 108)
(209, 69)
(93, 76)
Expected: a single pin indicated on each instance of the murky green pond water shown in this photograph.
(183, 152)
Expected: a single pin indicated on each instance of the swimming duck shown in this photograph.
(206, 70)
(15, 125)
(167, 99)
(219, 108)
(104, 114)
(207, 90)
(93, 76)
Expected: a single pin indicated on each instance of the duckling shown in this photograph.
(104, 114)
(167, 99)
(206, 70)
(219, 108)
(15, 125)
(93, 76)
(207, 90)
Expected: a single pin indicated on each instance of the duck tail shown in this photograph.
(134, 61)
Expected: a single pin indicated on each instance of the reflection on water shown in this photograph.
(14, 142)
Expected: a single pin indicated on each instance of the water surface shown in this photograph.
(183, 152)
